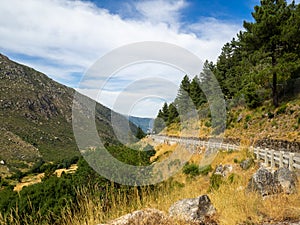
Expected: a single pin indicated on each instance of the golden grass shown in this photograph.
(233, 202)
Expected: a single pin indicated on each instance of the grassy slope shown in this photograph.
(281, 123)
(234, 205)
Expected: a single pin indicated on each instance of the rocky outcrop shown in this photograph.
(278, 145)
(263, 182)
(287, 180)
(223, 170)
(193, 209)
(267, 183)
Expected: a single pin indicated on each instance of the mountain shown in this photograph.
(36, 117)
(144, 123)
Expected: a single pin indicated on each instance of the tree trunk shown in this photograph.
(274, 89)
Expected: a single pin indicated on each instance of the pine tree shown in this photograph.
(196, 92)
(140, 133)
(263, 37)
(183, 101)
(173, 114)
(165, 112)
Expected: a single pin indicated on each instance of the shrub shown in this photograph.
(270, 115)
(191, 169)
(281, 109)
(204, 170)
(248, 118)
(207, 124)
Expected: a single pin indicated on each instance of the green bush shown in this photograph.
(207, 124)
(191, 169)
(281, 109)
(248, 118)
(270, 115)
(204, 170)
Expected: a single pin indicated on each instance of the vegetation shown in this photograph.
(256, 72)
(258, 65)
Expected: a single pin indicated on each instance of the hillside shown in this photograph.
(36, 117)
(247, 125)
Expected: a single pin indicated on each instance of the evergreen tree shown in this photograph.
(183, 102)
(140, 133)
(173, 114)
(263, 37)
(196, 92)
(165, 112)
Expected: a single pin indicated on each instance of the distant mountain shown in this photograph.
(144, 123)
(36, 117)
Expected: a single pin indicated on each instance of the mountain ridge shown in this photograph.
(37, 110)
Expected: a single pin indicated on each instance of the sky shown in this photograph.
(65, 38)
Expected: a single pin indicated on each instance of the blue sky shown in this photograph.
(63, 38)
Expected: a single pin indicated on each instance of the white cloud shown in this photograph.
(74, 34)
(159, 11)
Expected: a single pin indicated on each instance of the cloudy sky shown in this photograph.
(64, 38)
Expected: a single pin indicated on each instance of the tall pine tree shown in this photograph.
(264, 36)
(183, 101)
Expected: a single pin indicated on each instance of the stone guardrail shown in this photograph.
(269, 156)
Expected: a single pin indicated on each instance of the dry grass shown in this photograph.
(233, 203)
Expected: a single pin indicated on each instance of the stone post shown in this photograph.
(291, 161)
(266, 157)
(272, 159)
(281, 159)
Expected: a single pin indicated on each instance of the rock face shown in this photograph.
(267, 183)
(193, 209)
(287, 180)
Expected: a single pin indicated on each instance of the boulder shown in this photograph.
(223, 170)
(287, 180)
(246, 164)
(263, 182)
(140, 217)
(193, 209)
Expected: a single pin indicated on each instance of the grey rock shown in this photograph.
(146, 216)
(193, 209)
(246, 164)
(287, 180)
(223, 170)
(263, 182)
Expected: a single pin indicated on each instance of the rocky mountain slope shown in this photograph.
(36, 117)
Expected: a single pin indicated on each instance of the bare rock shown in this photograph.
(223, 170)
(246, 164)
(287, 180)
(140, 217)
(263, 182)
(193, 209)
